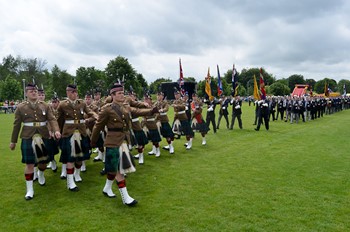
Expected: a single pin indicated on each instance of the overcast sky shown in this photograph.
(307, 37)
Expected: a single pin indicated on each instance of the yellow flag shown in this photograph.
(207, 84)
(256, 90)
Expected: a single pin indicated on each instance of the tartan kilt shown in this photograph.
(28, 156)
(112, 159)
(202, 127)
(154, 136)
(52, 148)
(186, 128)
(166, 130)
(100, 141)
(66, 156)
(141, 138)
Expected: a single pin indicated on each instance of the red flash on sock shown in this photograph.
(29, 176)
(110, 176)
(70, 171)
(121, 184)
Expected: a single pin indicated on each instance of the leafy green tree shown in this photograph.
(279, 89)
(60, 80)
(320, 85)
(120, 69)
(310, 82)
(89, 79)
(341, 84)
(295, 79)
(246, 77)
(11, 89)
(9, 66)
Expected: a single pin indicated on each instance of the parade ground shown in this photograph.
(294, 177)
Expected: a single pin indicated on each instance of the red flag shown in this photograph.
(262, 86)
(181, 80)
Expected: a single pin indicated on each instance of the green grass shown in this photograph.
(294, 177)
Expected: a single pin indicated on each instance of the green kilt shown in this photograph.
(141, 137)
(166, 130)
(186, 128)
(202, 127)
(28, 156)
(52, 148)
(112, 159)
(66, 156)
(100, 141)
(154, 136)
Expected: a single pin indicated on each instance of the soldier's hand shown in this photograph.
(57, 135)
(155, 110)
(12, 146)
(51, 134)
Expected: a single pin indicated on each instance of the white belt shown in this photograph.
(181, 112)
(150, 119)
(76, 121)
(135, 119)
(162, 113)
(35, 123)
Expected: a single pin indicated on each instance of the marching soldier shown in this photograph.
(181, 120)
(98, 102)
(211, 112)
(263, 114)
(236, 112)
(153, 130)
(198, 121)
(53, 142)
(136, 129)
(224, 101)
(75, 142)
(165, 128)
(116, 116)
(35, 116)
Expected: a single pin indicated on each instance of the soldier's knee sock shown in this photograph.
(29, 176)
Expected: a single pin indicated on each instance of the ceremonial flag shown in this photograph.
(262, 86)
(234, 81)
(219, 82)
(207, 84)
(181, 80)
(311, 93)
(326, 90)
(256, 90)
(344, 90)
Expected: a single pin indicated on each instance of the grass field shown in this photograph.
(294, 177)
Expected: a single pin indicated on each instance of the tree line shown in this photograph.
(15, 72)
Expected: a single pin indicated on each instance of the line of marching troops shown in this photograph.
(74, 128)
(112, 126)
